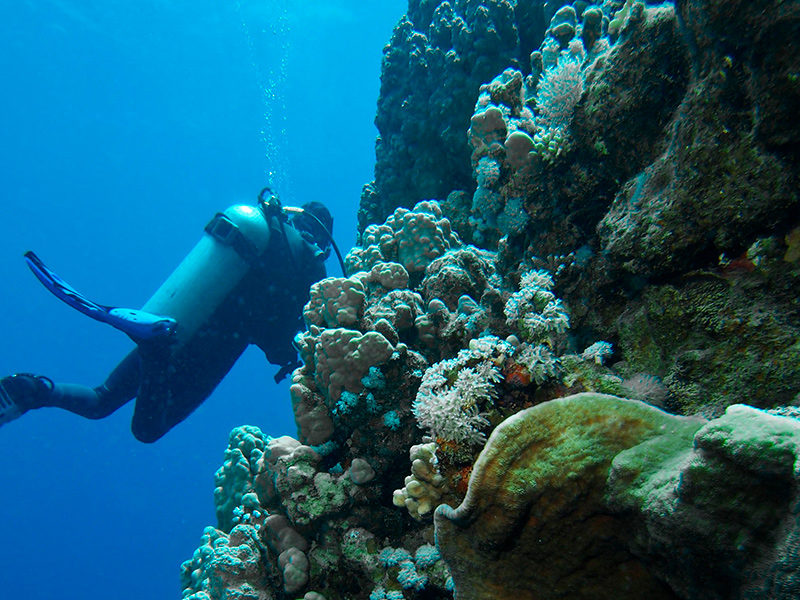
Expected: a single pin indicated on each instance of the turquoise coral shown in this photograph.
(225, 567)
(236, 477)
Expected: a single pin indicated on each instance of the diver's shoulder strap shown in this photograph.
(285, 243)
(227, 232)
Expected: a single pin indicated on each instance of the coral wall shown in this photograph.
(564, 362)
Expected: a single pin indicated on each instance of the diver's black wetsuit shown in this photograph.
(264, 309)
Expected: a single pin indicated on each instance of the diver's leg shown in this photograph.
(172, 389)
(119, 388)
(24, 392)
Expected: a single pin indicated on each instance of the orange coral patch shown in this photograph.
(517, 375)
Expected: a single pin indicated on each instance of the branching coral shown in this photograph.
(559, 90)
(534, 310)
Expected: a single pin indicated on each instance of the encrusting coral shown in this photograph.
(592, 485)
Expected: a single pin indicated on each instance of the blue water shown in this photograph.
(124, 127)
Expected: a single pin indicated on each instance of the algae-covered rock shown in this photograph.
(716, 167)
(717, 338)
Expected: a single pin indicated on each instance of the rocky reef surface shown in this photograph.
(565, 359)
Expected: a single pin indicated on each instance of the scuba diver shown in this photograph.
(245, 282)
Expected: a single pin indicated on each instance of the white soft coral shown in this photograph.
(534, 310)
(452, 393)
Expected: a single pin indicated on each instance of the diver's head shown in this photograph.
(315, 222)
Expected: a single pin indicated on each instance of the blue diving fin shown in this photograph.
(139, 325)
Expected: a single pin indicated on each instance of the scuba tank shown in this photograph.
(232, 242)
(204, 296)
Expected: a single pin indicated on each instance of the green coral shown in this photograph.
(535, 497)
(715, 340)
(722, 490)
(590, 376)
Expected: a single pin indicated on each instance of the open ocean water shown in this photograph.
(124, 126)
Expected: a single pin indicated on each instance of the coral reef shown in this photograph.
(564, 360)
(438, 56)
(370, 338)
(383, 364)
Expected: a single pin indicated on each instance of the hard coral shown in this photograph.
(412, 238)
(621, 500)
(335, 302)
(226, 566)
(236, 477)
(536, 477)
(425, 487)
(343, 356)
